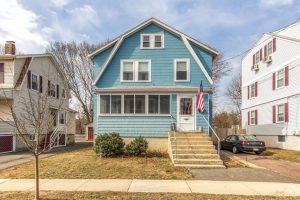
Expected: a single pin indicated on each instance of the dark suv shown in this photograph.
(238, 143)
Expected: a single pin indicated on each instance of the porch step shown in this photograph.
(194, 151)
(199, 166)
(196, 156)
(201, 146)
(183, 139)
(199, 161)
(191, 142)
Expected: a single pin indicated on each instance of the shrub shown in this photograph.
(109, 144)
(137, 146)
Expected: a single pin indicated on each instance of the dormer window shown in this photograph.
(152, 41)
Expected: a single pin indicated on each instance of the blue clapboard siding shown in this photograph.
(100, 59)
(131, 126)
(207, 114)
(161, 60)
(205, 58)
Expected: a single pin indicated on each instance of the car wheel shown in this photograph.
(258, 152)
(235, 150)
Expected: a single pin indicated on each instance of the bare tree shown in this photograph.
(234, 91)
(78, 68)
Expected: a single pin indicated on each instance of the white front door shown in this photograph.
(186, 113)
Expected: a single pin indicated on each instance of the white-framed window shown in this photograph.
(134, 104)
(52, 90)
(280, 78)
(270, 48)
(182, 70)
(135, 70)
(280, 113)
(62, 117)
(34, 81)
(63, 93)
(252, 117)
(257, 57)
(252, 90)
(152, 41)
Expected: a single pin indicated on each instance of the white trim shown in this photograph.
(196, 58)
(152, 40)
(187, 60)
(151, 20)
(250, 123)
(276, 116)
(194, 114)
(283, 79)
(135, 70)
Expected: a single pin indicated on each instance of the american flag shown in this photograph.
(200, 99)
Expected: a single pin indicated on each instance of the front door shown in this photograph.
(186, 113)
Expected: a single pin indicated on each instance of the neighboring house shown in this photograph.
(148, 78)
(38, 73)
(271, 88)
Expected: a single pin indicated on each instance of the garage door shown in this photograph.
(6, 143)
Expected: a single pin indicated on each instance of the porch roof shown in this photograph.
(152, 89)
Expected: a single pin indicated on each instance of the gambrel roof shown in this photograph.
(116, 43)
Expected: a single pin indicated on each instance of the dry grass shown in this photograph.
(229, 163)
(132, 196)
(290, 155)
(85, 164)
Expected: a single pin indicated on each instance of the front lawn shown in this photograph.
(283, 154)
(84, 164)
(56, 195)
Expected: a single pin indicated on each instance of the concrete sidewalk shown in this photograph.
(153, 186)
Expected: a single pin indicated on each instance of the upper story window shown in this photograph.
(280, 113)
(62, 117)
(135, 71)
(182, 70)
(257, 57)
(270, 48)
(280, 78)
(34, 82)
(152, 41)
(52, 90)
(1, 73)
(252, 90)
(63, 93)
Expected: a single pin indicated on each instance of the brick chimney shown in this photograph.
(10, 48)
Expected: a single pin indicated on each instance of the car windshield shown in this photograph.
(248, 137)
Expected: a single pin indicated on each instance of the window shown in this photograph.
(129, 104)
(164, 104)
(152, 41)
(52, 90)
(153, 104)
(182, 70)
(159, 104)
(280, 113)
(116, 104)
(63, 93)
(53, 113)
(280, 78)
(252, 117)
(257, 57)
(62, 118)
(105, 104)
(135, 70)
(34, 82)
(270, 48)
(252, 90)
(1, 73)
(140, 104)
(281, 138)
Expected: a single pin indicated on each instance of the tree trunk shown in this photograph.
(37, 184)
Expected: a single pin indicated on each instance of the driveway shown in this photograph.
(283, 167)
(12, 159)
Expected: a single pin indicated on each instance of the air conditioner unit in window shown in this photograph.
(268, 59)
(255, 67)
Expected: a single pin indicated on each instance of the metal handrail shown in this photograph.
(215, 135)
(174, 135)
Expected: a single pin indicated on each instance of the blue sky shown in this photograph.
(230, 26)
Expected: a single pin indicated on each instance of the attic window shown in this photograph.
(152, 41)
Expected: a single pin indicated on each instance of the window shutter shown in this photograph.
(260, 54)
(274, 81)
(256, 88)
(256, 117)
(265, 51)
(57, 91)
(253, 59)
(41, 84)
(29, 79)
(248, 91)
(274, 114)
(286, 75)
(286, 112)
(274, 44)
(248, 118)
(49, 87)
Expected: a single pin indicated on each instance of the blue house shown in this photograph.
(148, 78)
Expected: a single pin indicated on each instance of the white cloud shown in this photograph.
(84, 16)
(60, 3)
(267, 3)
(21, 26)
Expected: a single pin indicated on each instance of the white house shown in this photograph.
(271, 88)
(39, 74)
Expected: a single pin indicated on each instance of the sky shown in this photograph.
(230, 26)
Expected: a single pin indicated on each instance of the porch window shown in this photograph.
(116, 104)
(1, 73)
(164, 104)
(129, 104)
(182, 70)
(280, 113)
(153, 104)
(34, 82)
(159, 104)
(280, 78)
(140, 104)
(105, 104)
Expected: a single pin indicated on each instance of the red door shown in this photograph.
(90, 133)
(6, 143)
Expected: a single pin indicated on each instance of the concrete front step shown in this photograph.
(198, 161)
(191, 142)
(195, 156)
(199, 166)
(204, 146)
(197, 138)
(194, 151)
(188, 135)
